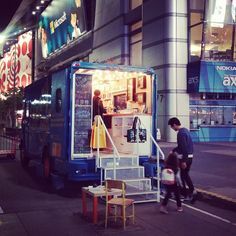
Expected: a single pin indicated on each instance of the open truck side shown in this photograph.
(57, 118)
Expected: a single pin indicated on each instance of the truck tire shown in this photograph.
(46, 165)
(24, 160)
(11, 156)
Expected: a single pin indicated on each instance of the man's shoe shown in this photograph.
(179, 209)
(163, 210)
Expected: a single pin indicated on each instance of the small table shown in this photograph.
(95, 193)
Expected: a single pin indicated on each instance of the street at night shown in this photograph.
(118, 117)
(29, 206)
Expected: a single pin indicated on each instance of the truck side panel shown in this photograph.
(59, 141)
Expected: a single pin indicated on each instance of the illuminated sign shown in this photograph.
(211, 77)
(61, 23)
(15, 66)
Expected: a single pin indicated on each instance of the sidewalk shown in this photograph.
(213, 169)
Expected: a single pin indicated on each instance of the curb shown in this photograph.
(216, 199)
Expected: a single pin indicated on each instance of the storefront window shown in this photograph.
(204, 116)
(193, 118)
(229, 113)
(218, 31)
(216, 116)
(212, 36)
(218, 43)
(196, 23)
(212, 115)
(195, 46)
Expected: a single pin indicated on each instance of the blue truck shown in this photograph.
(57, 116)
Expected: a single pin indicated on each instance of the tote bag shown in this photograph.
(98, 132)
(132, 133)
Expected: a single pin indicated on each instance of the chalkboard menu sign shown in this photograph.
(82, 113)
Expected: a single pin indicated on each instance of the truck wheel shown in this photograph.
(24, 159)
(46, 166)
(11, 156)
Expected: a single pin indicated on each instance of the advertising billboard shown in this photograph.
(212, 77)
(15, 66)
(61, 23)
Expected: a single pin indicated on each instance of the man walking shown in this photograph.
(185, 155)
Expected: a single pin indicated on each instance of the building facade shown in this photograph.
(183, 41)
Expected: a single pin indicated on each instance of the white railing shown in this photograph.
(99, 121)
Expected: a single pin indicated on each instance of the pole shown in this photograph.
(14, 90)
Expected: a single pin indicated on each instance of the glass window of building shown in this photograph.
(218, 30)
(136, 44)
(135, 3)
(204, 115)
(212, 115)
(216, 116)
(195, 28)
(229, 115)
(212, 35)
(193, 118)
(196, 36)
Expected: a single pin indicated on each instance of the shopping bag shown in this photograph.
(168, 176)
(132, 135)
(98, 132)
(136, 132)
(92, 136)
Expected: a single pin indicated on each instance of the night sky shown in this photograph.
(7, 10)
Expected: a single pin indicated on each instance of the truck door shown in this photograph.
(59, 118)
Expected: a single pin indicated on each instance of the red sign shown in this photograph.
(16, 64)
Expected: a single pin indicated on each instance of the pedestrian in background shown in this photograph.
(170, 182)
(98, 108)
(184, 151)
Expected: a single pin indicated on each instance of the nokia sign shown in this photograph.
(211, 77)
(226, 68)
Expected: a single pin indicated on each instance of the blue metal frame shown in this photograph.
(87, 65)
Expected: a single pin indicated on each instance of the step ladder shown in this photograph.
(127, 168)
